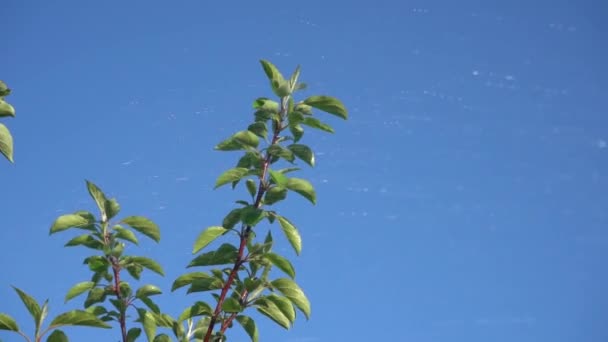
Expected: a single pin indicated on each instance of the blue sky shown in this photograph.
(464, 200)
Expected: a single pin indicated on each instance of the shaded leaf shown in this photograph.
(251, 215)
(302, 187)
(231, 305)
(133, 334)
(149, 324)
(57, 336)
(6, 109)
(297, 131)
(277, 150)
(112, 208)
(6, 141)
(225, 254)
(251, 187)
(292, 291)
(189, 278)
(95, 295)
(209, 284)
(259, 129)
(162, 338)
(231, 175)
(79, 289)
(328, 104)
(144, 226)
(85, 240)
(275, 194)
(8, 323)
(303, 152)
(281, 263)
(78, 318)
(198, 309)
(249, 325)
(207, 236)
(291, 233)
(233, 217)
(150, 304)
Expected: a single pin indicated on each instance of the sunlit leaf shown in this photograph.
(251, 187)
(284, 305)
(270, 310)
(207, 236)
(6, 141)
(328, 104)
(147, 290)
(125, 234)
(292, 291)
(302, 187)
(189, 278)
(281, 263)
(99, 197)
(291, 233)
(85, 240)
(6, 109)
(78, 318)
(76, 220)
(30, 303)
(233, 217)
(230, 176)
(8, 323)
(303, 152)
(79, 289)
(147, 263)
(315, 123)
(249, 325)
(148, 323)
(278, 177)
(144, 226)
(274, 195)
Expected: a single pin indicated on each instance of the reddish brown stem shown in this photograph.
(123, 318)
(244, 235)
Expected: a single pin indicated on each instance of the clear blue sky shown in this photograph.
(466, 199)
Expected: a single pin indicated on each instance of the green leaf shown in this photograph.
(278, 177)
(78, 318)
(315, 123)
(246, 138)
(207, 236)
(4, 89)
(148, 323)
(95, 295)
(303, 152)
(231, 305)
(112, 208)
(147, 290)
(281, 263)
(292, 291)
(284, 305)
(302, 187)
(203, 285)
(147, 263)
(135, 270)
(150, 304)
(231, 175)
(125, 234)
(8, 323)
(76, 220)
(328, 104)
(233, 217)
(30, 303)
(198, 309)
(277, 150)
(251, 187)
(297, 131)
(249, 325)
(225, 254)
(266, 104)
(291, 233)
(251, 215)
(162, 338)
(189, 278)
(270, 310)
(277, 82)
(259, 129)
(274, 195)
(6, 109)
(144, 226)
(100, 199)
(79, 289)
(57, 336)
(133, 334)
(6, 142)
(85, 240)
(97, 310)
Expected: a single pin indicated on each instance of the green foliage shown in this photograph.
(6, 110)
(237, 274)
